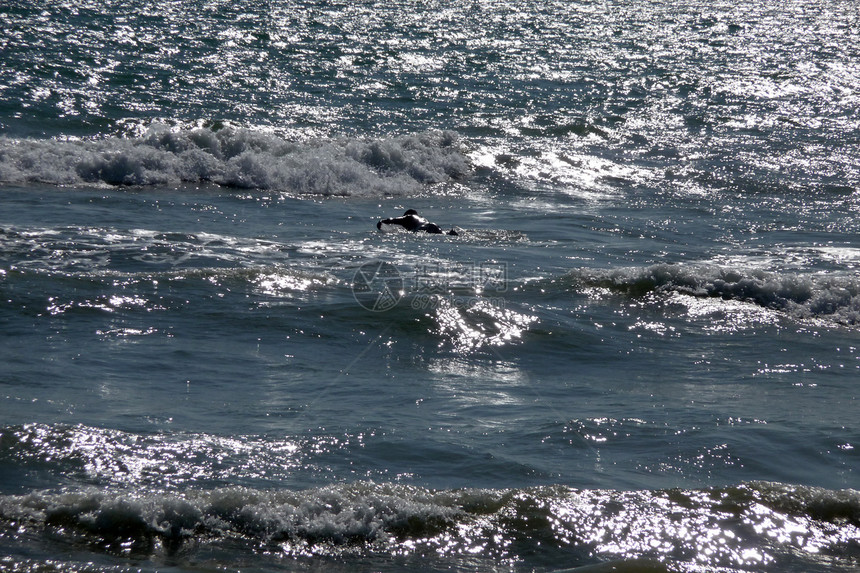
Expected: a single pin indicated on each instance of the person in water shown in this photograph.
(412, 221)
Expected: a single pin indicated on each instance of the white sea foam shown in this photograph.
(775, 518)
(240, 158)
(832, 297)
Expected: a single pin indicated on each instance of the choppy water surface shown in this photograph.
(640, 352)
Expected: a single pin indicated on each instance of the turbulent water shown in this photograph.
(640, 351)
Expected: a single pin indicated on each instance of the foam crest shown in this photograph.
(240, 158)
(339, 515)
(830, 297)
(741, 527)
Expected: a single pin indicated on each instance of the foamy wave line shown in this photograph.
(743, 526)
(240, 158)
(829, 297)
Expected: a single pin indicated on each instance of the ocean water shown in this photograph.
(640, 353)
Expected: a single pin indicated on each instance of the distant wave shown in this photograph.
(734, 528)
(829, 297)
(240, 158)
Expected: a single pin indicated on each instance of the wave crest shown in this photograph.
(739, 528)
(240, 158)
(835, 298)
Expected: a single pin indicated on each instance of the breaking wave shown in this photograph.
(240, 158)
(831, 297)
(750, 527)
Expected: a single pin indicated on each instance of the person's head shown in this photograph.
(410, 212)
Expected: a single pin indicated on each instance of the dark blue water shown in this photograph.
(639, 352)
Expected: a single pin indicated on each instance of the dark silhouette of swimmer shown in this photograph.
(412, 221)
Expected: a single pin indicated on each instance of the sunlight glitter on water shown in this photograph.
(470, 324)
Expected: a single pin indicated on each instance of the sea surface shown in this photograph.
(639, 353)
